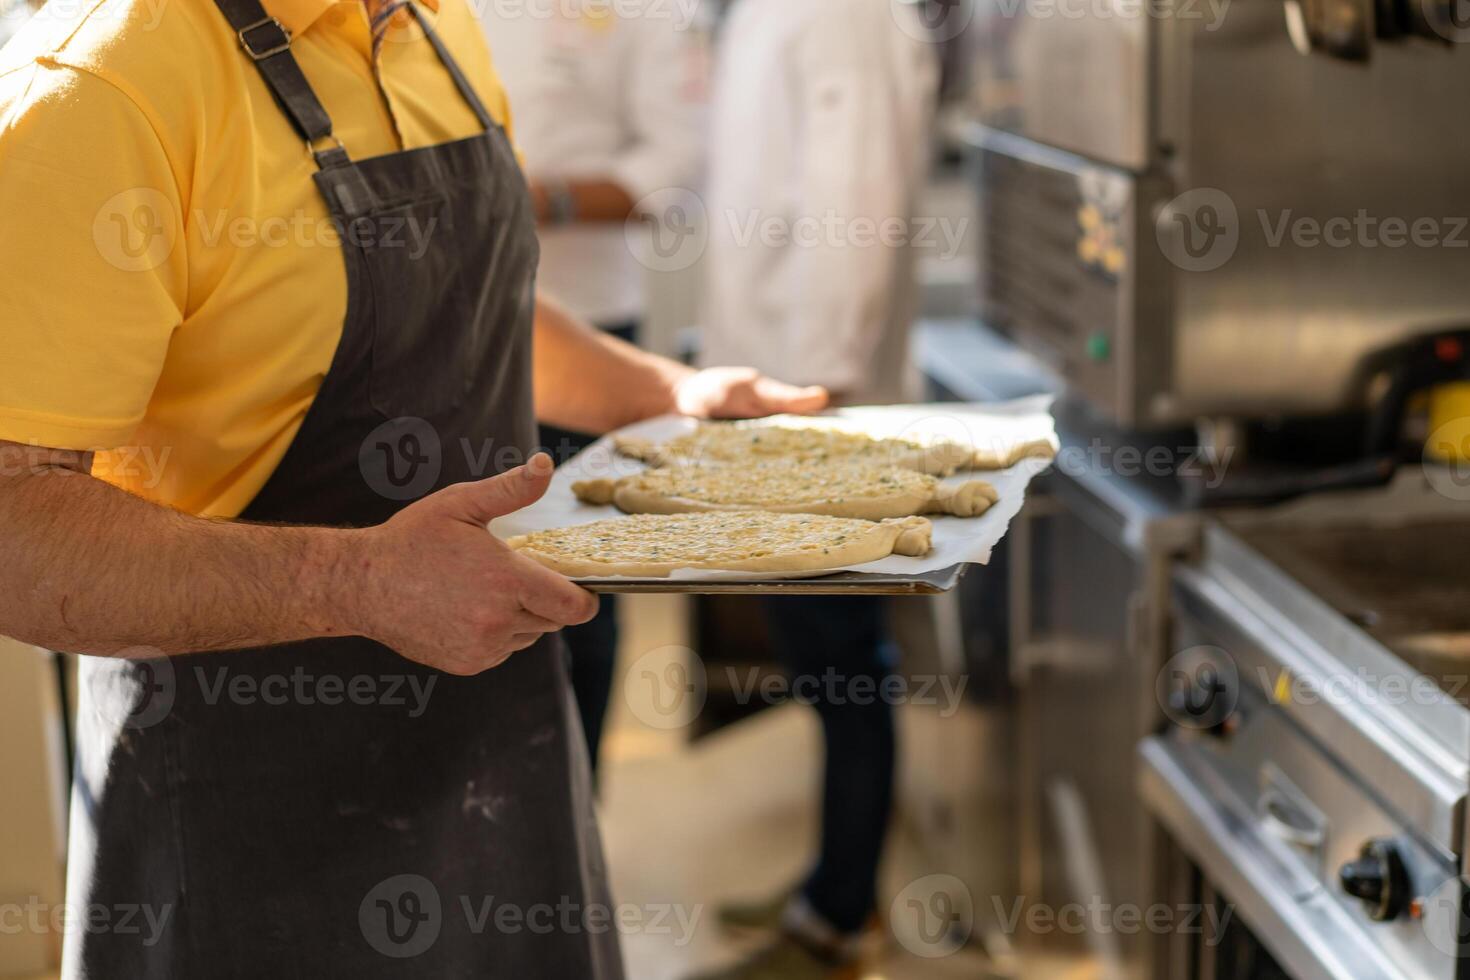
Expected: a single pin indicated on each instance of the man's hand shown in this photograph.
(743, 393)
(588, 381)
(441, 590)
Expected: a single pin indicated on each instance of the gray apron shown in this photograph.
(329, 809)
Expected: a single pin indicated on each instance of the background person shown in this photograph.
(820, 126)
(609, 108)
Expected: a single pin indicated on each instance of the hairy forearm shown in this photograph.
(91, 569)
(590, 382)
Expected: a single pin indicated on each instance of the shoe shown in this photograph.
(784, 959)
(758, 916)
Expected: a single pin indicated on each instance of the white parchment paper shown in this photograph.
(956, 539)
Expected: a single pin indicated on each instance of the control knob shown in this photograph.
(1377, 876)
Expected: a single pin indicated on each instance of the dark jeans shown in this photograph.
(833, 642)
(592, 648)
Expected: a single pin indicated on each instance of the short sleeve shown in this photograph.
(92, 258)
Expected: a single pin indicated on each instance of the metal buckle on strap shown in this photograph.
(277, 47)
(311, 145)
(328, 156)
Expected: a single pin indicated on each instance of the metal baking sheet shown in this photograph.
(957, 541)
(843, 583)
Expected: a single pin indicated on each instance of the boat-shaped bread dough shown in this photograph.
(656, 545)
(787, 438)
(868, 491)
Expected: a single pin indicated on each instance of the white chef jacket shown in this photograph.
(820, 123)
(601, 90)
(13, 16)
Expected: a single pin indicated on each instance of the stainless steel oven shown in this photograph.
(1189, 213)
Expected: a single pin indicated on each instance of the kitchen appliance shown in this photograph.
(1313, 767)
(1233, 233)
(1199, 209)
(1254, 719)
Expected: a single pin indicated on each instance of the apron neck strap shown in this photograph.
(268, 44)
(466, 90)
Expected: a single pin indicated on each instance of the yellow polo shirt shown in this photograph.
(171, 288)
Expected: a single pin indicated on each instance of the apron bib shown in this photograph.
(329, 809)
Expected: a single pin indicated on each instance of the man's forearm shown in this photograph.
(91, 569)
(590, 382)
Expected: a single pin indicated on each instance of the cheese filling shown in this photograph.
(703, 538)
(774, 484)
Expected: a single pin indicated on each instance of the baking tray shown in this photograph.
(842, 583)
(959, 542)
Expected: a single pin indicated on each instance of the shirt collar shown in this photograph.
(298, 15)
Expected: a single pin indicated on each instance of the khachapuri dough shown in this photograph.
(655, 545)
(868, 491)
(794, 440)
